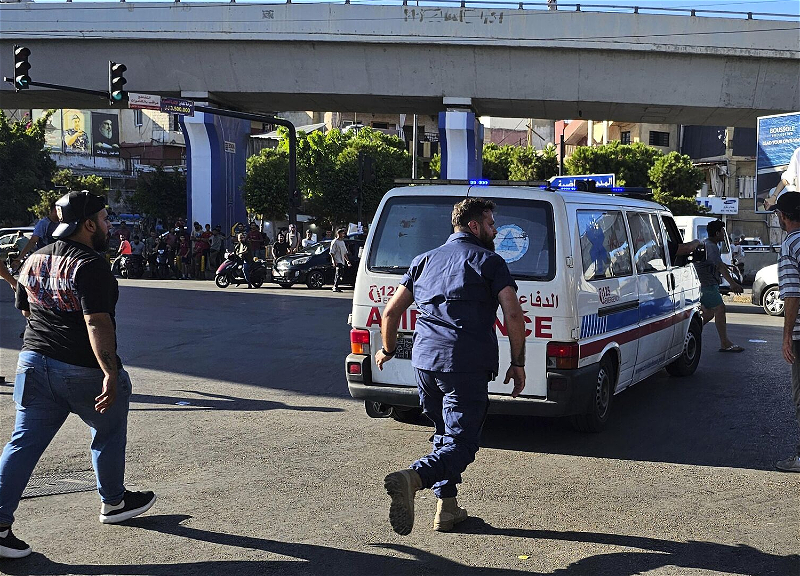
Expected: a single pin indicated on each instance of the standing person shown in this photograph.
(328, 235)
(206, 236)
(184, 256)
(339, 257)
(737, 254)
(293, 238)
(215, 247)
(308, 240)
(280, 248)
(244, 251)
(41, 237)
(710, 271)
(455, 355)
(69, 364)
(788, 209)
(255, 239)
(150, 252)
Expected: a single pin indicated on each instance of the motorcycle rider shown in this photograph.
(244, 252)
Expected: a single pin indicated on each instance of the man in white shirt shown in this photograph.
(339, 257)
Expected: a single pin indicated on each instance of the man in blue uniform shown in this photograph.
(457, 287)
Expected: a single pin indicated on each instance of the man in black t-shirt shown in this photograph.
(69, 364)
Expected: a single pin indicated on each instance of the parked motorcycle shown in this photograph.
(131, 266)
(231, 271)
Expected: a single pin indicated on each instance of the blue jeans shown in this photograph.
(46, 391)
(456, 403)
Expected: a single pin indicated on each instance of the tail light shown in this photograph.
(359, 341)
(562, 355)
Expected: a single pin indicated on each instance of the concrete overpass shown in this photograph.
(510, 62)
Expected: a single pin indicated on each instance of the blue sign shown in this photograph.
(601, 180)
(778, 138)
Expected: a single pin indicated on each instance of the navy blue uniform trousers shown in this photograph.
(456, 403)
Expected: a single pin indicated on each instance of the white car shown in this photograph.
(765, 290)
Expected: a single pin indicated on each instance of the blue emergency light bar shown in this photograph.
(478, 182)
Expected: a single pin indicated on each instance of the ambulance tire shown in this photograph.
(377, 409)
(407, 415)
(596, 419)
(687, 362)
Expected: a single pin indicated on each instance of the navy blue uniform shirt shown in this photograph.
(456, 287)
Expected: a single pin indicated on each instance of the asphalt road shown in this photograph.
(272, 469)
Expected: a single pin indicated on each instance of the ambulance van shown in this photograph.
(605, 304)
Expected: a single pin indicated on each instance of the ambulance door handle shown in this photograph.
(671, 278)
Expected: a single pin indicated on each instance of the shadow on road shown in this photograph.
(210, 401)
(315, 559)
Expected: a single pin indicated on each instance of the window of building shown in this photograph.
(381, 125)
(137, 117)
(625, 137)
(605, 249)
(174, 123)
(659, 138)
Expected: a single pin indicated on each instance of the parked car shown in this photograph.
(312, 265)
(8, 240)
(765, 291)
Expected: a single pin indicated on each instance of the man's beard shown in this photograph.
(99, 240)
(487, 240)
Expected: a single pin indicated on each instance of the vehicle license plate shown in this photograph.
(404, 346)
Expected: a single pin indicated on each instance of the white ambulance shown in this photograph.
(605, 304)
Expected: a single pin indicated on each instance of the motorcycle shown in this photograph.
(131, 266)
(231, 271)
(163, 265)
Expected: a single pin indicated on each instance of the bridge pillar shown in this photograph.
(216, 150)
(460, 144)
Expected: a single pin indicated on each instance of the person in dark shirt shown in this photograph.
(69, 364)
(457, 288)
(280, 248)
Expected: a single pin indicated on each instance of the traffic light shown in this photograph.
(116, 81)
(367, 168)
(21, 67)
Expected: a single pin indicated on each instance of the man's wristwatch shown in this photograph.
(387, 353)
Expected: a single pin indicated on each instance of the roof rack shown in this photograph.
(474, 182)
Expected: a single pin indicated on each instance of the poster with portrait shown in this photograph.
(75, 128)
(105, 134)
(778, 141)
(52, 130)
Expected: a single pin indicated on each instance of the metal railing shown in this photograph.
(534, 6)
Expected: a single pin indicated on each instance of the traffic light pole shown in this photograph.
(100, 93)
(292, 145)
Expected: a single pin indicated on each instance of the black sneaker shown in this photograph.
(11, 546)
(131, 505)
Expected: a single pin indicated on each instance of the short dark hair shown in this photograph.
(470, 209)
(714, 227)
(341, 231)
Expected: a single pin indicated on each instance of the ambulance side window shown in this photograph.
(648, 243)
(605, 249)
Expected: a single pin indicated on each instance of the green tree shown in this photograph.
(675, 182)
(630, 162)
(266, 184)
(65, 181)
(25, 167)
(532, 164)
(160, 194)
(497, 161)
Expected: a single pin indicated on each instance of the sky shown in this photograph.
(770, 6)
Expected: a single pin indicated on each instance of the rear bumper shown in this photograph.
(758, 291)
(568, 392)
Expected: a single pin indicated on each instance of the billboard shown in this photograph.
(105, 134)
(778, 143)
(52, 130)
(76, 131)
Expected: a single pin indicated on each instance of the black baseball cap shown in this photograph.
(788, 203)
(75, 207)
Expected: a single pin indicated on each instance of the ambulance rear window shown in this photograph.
(410, 226)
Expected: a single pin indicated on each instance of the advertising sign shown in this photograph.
(105, 134)
(601, 180)
(720, 205)
(146, 101)
(177, 106)
(52, 130)
(75, 131)
(778, 141)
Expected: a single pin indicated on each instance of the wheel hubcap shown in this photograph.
(603, 392)
(690, 347)
(773, 303)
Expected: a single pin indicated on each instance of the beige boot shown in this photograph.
(402, 487)
(448, 514)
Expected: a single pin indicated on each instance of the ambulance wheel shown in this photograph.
(687, 362)
(597, 417)
(377, 409)
(407, 415)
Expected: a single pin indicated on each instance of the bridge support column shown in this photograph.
(216, 150)
(461, 145)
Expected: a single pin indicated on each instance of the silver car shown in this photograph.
(765, 290)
